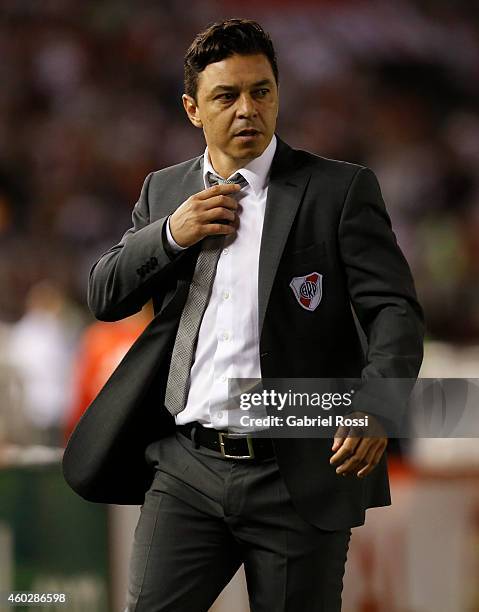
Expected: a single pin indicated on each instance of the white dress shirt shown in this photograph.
(228, 340)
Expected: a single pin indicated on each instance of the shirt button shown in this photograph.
(225, 336)
(225, 251)
(226, 295)
(223, 378)
(219, 415)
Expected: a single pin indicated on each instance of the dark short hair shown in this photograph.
(224, 39)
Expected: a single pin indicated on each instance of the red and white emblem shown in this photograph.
(308, 290)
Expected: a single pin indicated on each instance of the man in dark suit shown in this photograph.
(253, 255)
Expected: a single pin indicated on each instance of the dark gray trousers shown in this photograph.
(204, 516)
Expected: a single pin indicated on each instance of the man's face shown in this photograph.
(237, 107)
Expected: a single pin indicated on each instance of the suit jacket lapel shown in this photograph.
(287, 184)
(192, 182)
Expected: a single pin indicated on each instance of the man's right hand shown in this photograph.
(210, 212)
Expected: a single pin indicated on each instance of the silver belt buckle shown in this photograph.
(249, 442)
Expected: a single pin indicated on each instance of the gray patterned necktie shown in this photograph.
(199, 293)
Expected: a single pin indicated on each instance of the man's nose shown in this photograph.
(246, 106)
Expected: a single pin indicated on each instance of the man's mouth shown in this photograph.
(247, 133)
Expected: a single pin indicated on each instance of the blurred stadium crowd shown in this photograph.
(90, 103)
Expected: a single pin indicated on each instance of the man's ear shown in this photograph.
(192, 111)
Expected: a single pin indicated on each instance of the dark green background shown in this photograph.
(55, 534)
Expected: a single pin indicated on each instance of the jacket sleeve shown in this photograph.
(124, 277)
(384, 299)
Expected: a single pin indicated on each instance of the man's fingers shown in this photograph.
(219, 214)
(356, 458)
(337, 443)
(220, 221)
(365, 458)
(364, 451)
(213, 229)
(188, 223)
(346, 450)
(340, 435)
(356, 452)
(217, 190)
(217, 201)
(372, 463)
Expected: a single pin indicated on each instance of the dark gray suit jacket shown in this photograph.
(321, 215)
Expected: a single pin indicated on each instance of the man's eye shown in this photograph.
(226, 96)
(262, 92)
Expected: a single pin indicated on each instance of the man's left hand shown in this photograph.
(356, 453)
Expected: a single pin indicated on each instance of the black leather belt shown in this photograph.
(230, 445)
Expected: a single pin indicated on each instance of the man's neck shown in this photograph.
(224, 166)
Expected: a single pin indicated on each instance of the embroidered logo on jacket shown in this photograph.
(308, 290)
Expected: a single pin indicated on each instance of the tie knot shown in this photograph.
(236, 179)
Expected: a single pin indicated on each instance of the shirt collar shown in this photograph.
(256, 172)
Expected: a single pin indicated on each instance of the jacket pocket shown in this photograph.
(315, 250)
